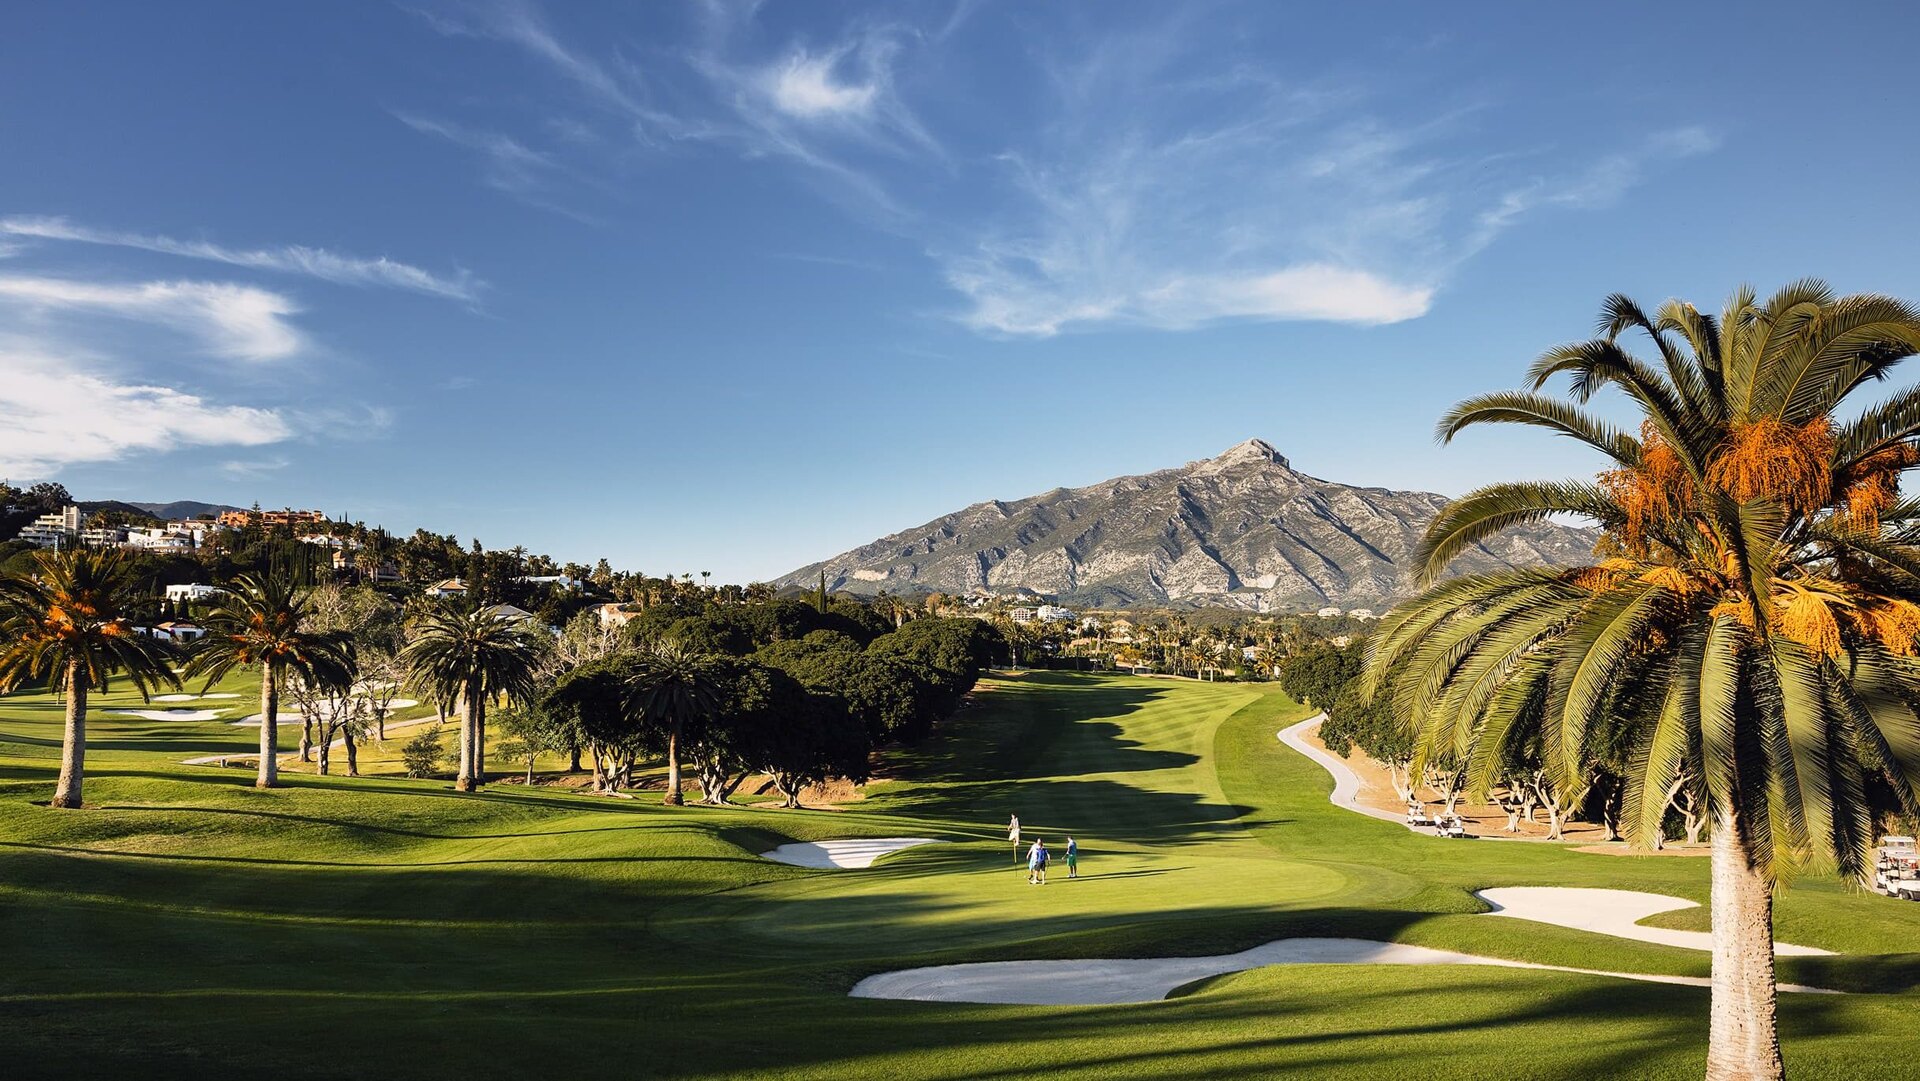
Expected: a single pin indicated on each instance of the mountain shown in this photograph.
(1243, 529)
(183, 509)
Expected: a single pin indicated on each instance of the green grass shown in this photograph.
(187, 925)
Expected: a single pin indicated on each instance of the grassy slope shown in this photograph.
(383, 927)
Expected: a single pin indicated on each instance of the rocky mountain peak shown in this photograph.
(1241, 529)
(1250, 450)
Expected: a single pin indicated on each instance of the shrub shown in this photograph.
(424, 754)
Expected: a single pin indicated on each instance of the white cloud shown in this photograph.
(55, 416)
(804, 86)
(234, 320)
(292, 259)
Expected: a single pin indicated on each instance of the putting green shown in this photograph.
(186, 925)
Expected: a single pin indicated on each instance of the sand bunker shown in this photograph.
(172, 714)
(175, 697)
(1113, 982)
(280, 716)
(855, 853)
(1610, 912)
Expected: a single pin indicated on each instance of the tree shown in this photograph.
(65, 621)
(532, 731)
(262, 621)
(471, 657)
(1754, 616)
(675, 687)
(594, 703)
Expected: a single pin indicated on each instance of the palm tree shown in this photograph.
(262, 621)
(471, 657)
(1753, 617)
(675, 687)
(65, 621)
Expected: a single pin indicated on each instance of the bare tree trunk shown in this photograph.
(463, 780)
(326, 751)
(1743, 1043)
(269, 775)
(573, 762)
(380, 725)
(73, 745)
(353, 752)
(306, 737)
(674, 798)
(529, 771)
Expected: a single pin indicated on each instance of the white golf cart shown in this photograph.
(1897, 868)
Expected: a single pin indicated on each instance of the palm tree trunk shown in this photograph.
(674, 798)
(478, 719)
(73, 747)
(463, 779)
(269, 776)
(1743, 1043)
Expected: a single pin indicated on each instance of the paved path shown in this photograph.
(1346, 783)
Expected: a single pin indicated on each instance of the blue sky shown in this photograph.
(718, 286)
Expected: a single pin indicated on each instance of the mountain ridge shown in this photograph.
(1241, 529)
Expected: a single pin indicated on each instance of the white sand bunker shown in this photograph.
(175, 697)
(171, 714)
(856, 853)
(1610, 912)
(1114, 982)
(280, 716)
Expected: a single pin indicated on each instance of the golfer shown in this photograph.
(1013, 834)
(1073, 858)
(1037, 863)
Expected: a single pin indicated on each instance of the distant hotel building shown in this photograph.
(241, 519)
(49, 530)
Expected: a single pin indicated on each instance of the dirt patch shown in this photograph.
(1483, 819)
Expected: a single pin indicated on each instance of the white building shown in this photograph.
(1329, 613)
(1360, 613)
(614, 615)
(1053, 613)
(174, 631)
(447, 587)
(566, 582)
(191, 593)
(49, 530)
(1020, 615)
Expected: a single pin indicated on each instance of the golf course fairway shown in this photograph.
(186, 925)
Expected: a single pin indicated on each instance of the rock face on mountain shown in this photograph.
(1244, 529)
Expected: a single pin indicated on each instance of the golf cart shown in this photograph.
(1897, 868)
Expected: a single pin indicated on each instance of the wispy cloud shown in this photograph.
(248, 468)
(1157, 174)
(291, 259)
(58, 416)
(235, 321)
(507, 164)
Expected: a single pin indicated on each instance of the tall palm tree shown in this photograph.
(263, 621)
(65, 620)
(1754, 616)
(675, 688)
(471, 657)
